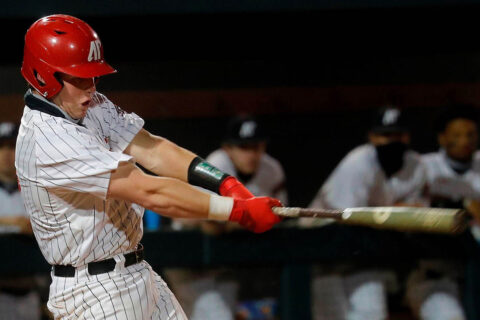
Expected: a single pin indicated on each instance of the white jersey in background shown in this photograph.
(448, 188)
(439, 298)
(268, 180)
(444, 182)
(359, 181)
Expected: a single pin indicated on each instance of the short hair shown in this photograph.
(452, 112)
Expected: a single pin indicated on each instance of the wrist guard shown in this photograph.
(203, 174)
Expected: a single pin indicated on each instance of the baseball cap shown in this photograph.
(244, 130)
(8, 130)
(389, 120)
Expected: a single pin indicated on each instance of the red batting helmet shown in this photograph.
(61, 43)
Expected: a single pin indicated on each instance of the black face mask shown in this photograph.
(390, 156)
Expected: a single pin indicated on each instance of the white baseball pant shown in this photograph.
(132, 293)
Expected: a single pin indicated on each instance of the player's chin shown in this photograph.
(82, 112)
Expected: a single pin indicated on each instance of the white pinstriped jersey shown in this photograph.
(358, 181)
(444, 182)
(268, 180)
(64, 171)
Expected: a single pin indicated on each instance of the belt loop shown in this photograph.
(120, 263)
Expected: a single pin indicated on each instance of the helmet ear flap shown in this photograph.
(42, 77)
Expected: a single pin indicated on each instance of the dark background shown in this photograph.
(313, 71)
(336, 47)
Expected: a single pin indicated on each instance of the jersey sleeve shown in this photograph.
(68, 157)
(122, 126)
(346, 187)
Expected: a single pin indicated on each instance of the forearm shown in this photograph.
(177, 199)
(171, 160)
(166, 159)
(160, 156)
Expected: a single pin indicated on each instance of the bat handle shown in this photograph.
(291, 212)
(295, 212)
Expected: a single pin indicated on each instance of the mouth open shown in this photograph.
(86, 103)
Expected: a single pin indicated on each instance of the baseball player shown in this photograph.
(75, 159)
(383, 172)
(242, 155)
(453, 176)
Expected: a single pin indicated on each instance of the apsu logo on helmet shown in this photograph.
(95, 50)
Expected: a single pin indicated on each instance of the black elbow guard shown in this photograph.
(203, 174)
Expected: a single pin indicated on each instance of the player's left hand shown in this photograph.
(255, 214)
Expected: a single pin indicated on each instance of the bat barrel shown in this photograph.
(435, 220)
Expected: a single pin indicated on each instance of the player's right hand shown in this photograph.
(255, 214)
(233, 188)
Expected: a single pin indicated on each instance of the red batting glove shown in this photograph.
(233, 188)
(255, 214)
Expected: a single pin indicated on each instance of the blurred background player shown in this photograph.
(453, 175)
(13, 217)
(243, 155)
(18, 296)
(213, 294)
(382, 172)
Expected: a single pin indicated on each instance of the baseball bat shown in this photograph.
(436, 220)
